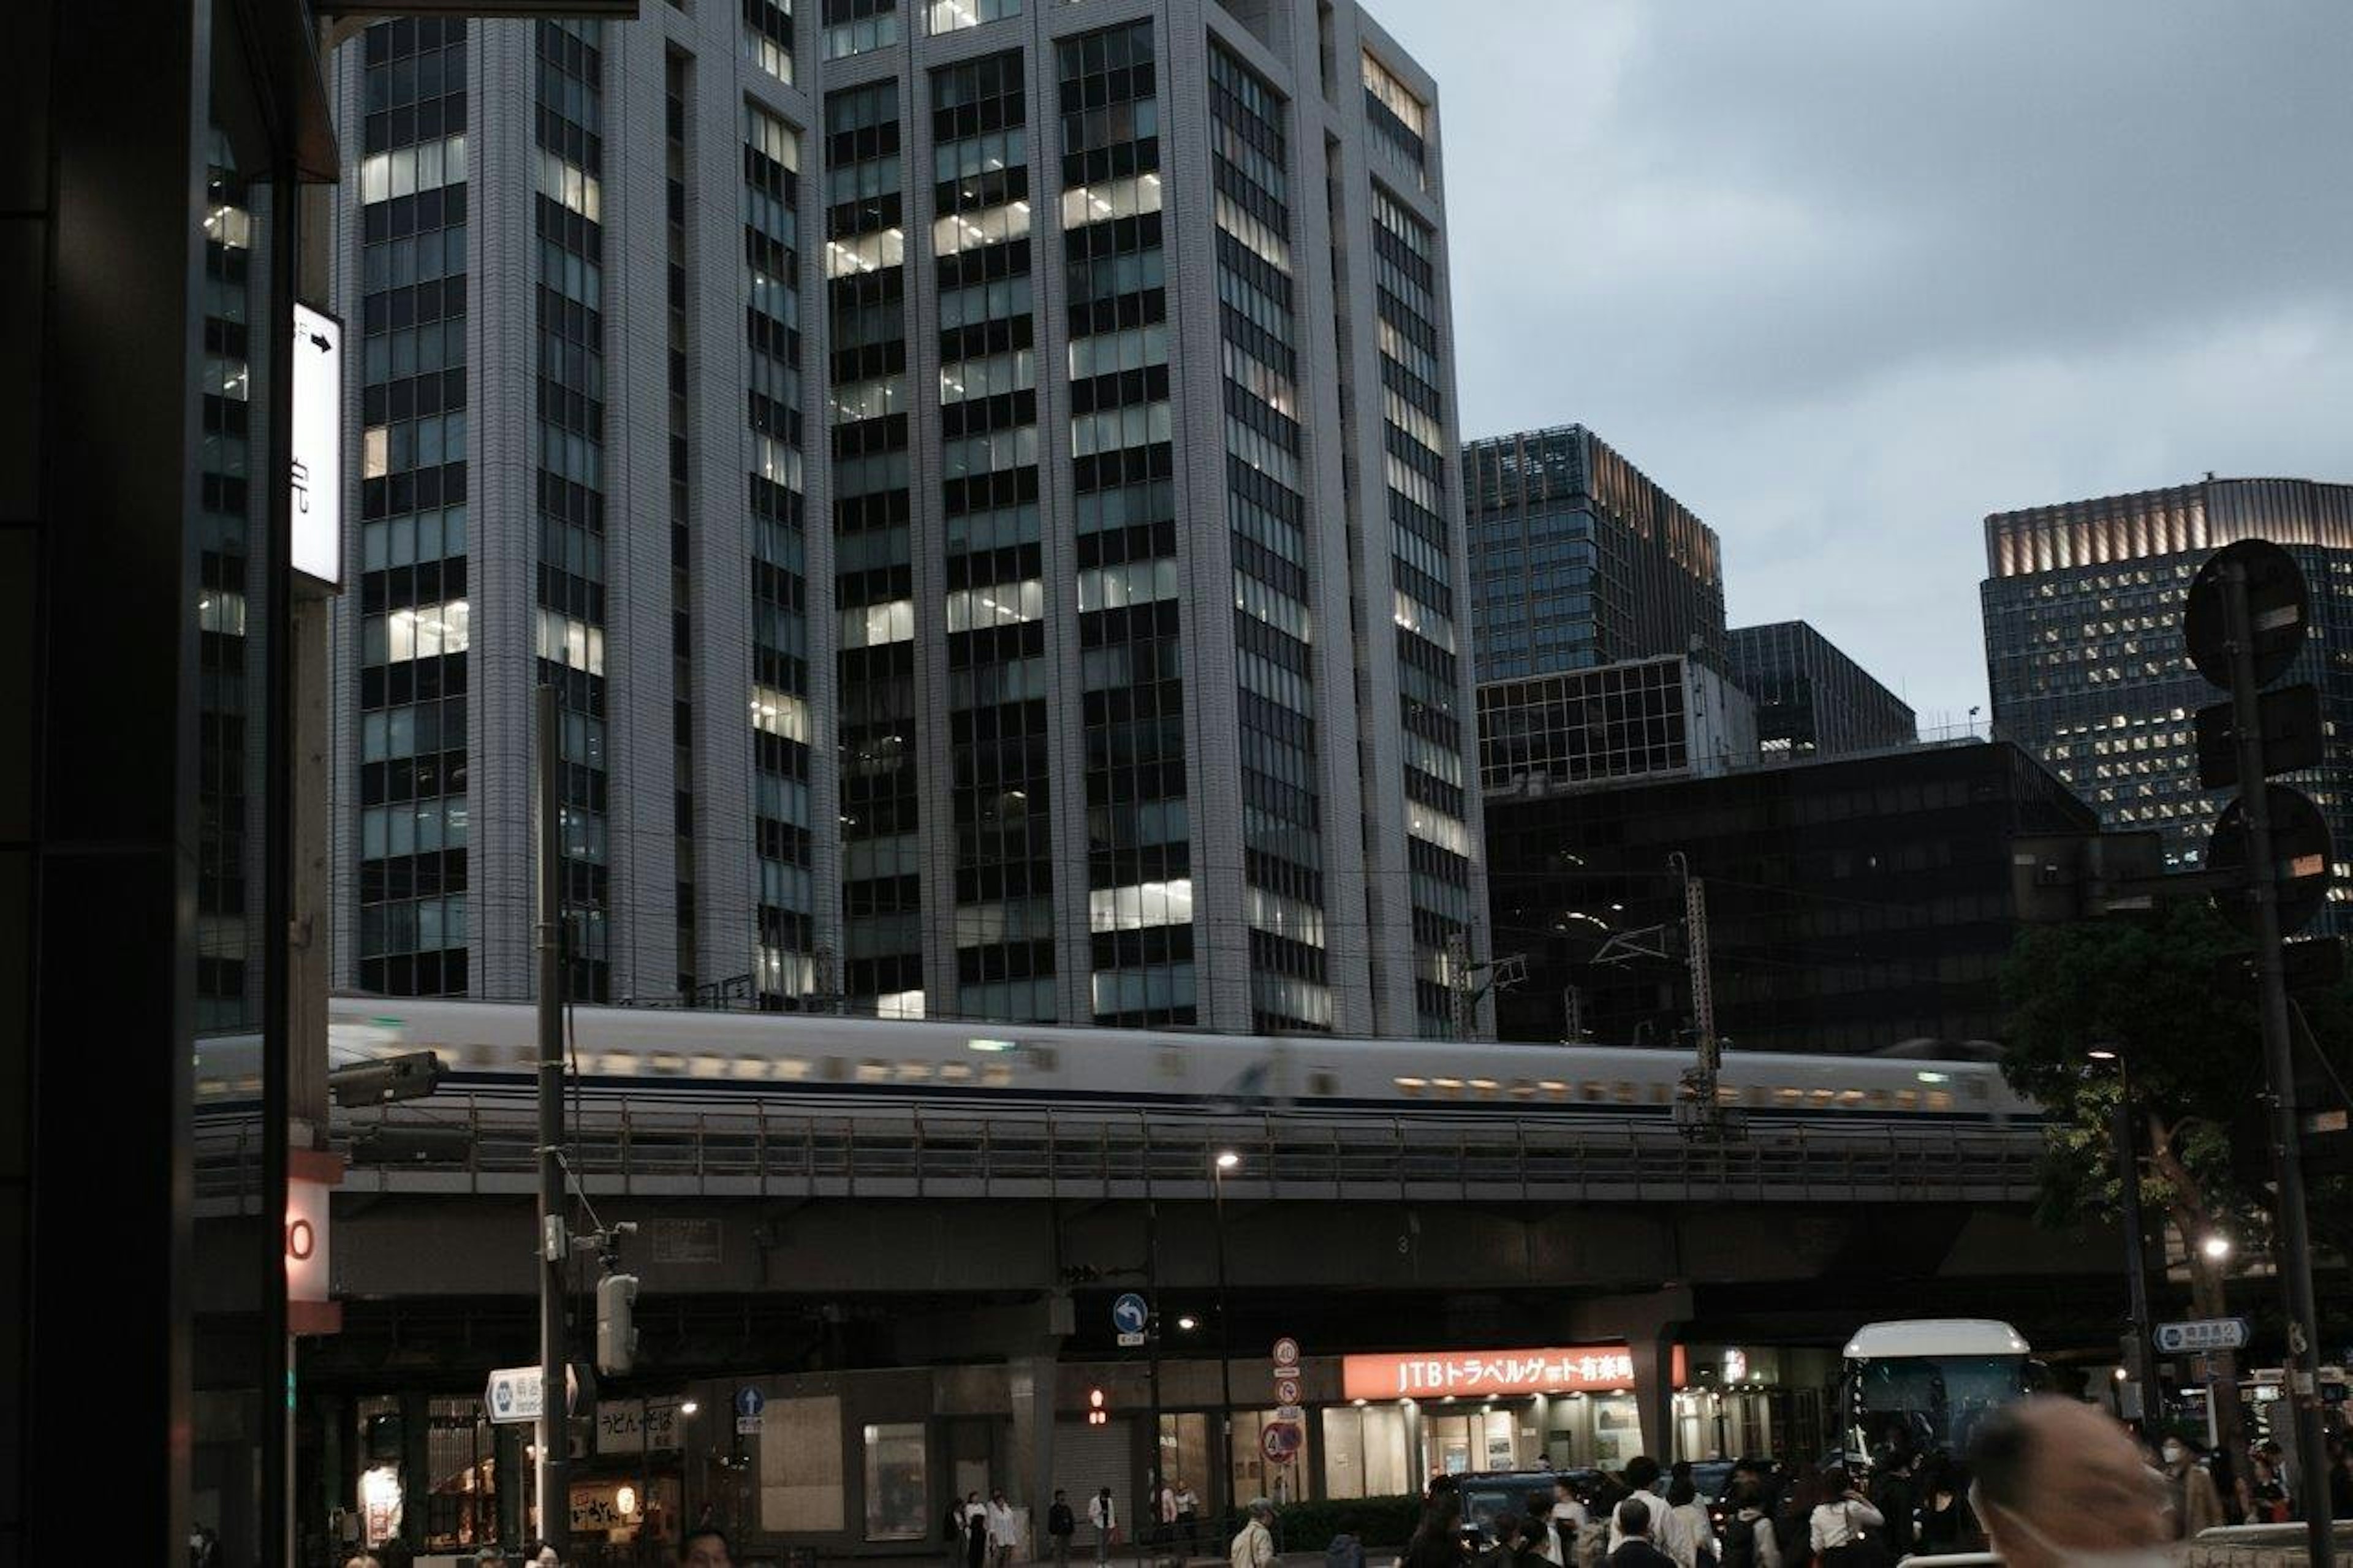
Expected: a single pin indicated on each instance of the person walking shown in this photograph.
(1631, 1526)
(1892, 1493)
(1947, 1526)
(976, 1531)
(1841, 1525)
(1748, 1541)
(2197, 1504)
(1004, 1530)
(1254, 1547)
(2058, 1484)
(1104, 1515)
(2267, 1499)
(1188, 1515)
(1061, 1525)
(1438, 1542)
(1666, 1532)
(1698, 1531)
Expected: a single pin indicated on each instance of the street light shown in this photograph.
(1227, 1161)
(2217, 1247)
(2128, 1152)
(1188, 1322)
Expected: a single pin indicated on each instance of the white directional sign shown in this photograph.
(517, 1393)
(749, 1403)
(1130, 1316)
(316, 478)
(2201, 1334)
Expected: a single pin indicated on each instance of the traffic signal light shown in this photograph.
(617, 1329)
(1096, 1415)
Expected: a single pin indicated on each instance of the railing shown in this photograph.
(469, 1147)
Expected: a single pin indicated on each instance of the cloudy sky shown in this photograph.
(1846, 274)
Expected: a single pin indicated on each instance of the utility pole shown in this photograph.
(2123, 1131)
(552, 1471)
(1154, 1468)
(2303, 1328)
(1464, 988)
(1698, 1110)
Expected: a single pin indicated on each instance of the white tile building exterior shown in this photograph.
(984, 475)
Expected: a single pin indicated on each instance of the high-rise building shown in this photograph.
(1811, 699)
(2086, 657)
(981, 475)
(1577, 559)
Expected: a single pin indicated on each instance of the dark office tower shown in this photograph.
(1579, 559)
(2084, 654)
(981, 475)
(1810, 697)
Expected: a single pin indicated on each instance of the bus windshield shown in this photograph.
(1928, 1403)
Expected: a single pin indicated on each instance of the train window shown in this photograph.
(1413, 1086)
(619, 1064)
(1523, 1089)
(1662, 1093)
(1907, 1100)
(791, 1069)
(872, 1071)
(709, 1066)
(1484, 1087)
(1824, 1096)
(1322, 1081)
(1789, 1096)
(1975, 1087)
(1044, 1058)
(915, 1072)
(1940, 1099)
(1594, 1089)
(1878, 1097)
(1555, 1088)
(516, 1056)
(836, 1068)
(955, 1072)
(1727, 1094)
(748, 1066)
(1447, 1086)
(997, 1075)
(1849, 1097)
(668, 1063)
(1624, 1092)
(1171, 1059)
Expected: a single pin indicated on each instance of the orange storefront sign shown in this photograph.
(1434, 1375)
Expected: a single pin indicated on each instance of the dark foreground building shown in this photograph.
(1811, 699)
(1853, 905)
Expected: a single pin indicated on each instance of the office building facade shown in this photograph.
(981, 476)
(1811, 699)
(1854, 905)
(1579, 559)
(1672, 718)
(2085, 658)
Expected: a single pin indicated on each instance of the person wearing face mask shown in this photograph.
(2058, 1484)
(2196, 1501)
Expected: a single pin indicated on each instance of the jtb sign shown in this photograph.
(1586, 1368)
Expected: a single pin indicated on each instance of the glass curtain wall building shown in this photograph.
(2086, 659)
(982, 477)
(1580, 560)
(1810, 696)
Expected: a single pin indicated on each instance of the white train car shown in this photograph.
(821, 1061)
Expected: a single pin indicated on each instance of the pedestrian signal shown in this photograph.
(1096, 1415)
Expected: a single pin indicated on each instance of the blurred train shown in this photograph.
(487, 1049)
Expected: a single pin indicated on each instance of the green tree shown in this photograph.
(2160, 993)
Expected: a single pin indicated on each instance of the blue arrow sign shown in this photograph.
(1129, 1313)
(750, 1402)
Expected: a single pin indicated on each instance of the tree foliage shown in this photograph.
(2164, 995)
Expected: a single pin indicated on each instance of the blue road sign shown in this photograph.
(750, 1402)
(1129, 1313)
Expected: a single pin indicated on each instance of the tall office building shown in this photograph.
(1577, 559)
(1811, 699)
(980, 475)
(2085, 653)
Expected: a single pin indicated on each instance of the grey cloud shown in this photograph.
(1845, 275)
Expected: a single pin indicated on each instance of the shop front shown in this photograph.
(1437, 1413)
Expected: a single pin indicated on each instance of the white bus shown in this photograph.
(1922, 1385)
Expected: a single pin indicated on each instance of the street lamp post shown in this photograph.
(1227, 1161)
(2128, 1152)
